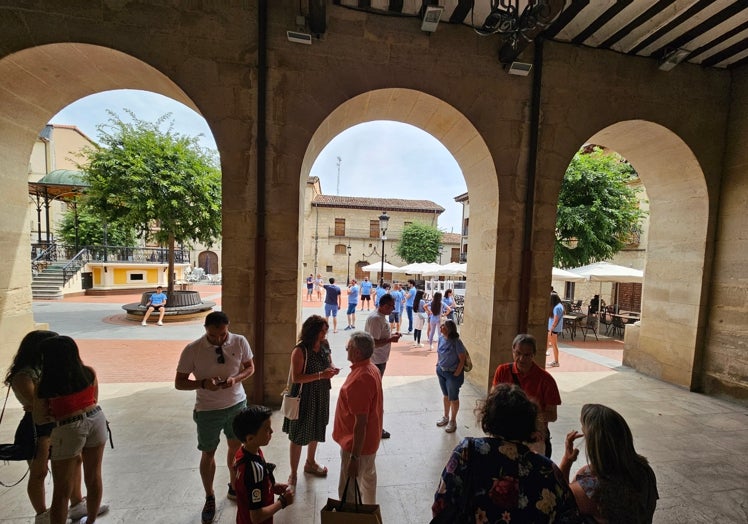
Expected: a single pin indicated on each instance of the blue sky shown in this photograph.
(378, 159)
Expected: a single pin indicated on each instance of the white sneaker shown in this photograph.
(160, 323)
(79, 511)
(143, 323)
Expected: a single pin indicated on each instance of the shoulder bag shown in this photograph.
(290, 405)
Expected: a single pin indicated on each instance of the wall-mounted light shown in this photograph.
(673, 58)
(431, 18)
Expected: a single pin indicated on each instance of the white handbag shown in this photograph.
(290, 405)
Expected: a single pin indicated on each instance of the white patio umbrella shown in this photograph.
(568, 276)
(455, 269)
(433, 269)
(377, 266)
(416, 268)
(607, 272)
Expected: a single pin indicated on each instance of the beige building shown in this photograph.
(332, 224)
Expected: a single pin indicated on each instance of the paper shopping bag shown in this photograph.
(337, 512)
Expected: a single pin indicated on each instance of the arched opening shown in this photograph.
(668, 342)
(36, 84)
(468, 148)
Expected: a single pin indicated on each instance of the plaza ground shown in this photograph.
(697, 445)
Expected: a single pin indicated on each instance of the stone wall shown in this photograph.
(449, 84)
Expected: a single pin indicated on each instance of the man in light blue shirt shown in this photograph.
(156, 302)
(399, 297)
(410, 295)
(352, 303)
(365, 293)
(382, 289)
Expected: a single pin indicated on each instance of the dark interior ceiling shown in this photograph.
(713, 33)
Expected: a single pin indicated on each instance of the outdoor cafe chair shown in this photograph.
(589, 324)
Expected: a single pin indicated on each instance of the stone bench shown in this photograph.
(183, 305)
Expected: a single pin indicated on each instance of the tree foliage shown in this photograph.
(160, 183)
(90, 230)
(419, 243)
(598, 211)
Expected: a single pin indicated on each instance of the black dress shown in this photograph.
(314, 409)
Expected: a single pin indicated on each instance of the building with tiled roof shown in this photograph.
(341, 233)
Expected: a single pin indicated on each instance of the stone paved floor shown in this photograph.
(696, 444)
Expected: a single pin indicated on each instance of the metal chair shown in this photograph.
(590, 324)
(606, 320)
(618, 326)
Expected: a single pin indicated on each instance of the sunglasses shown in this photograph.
(219, 352)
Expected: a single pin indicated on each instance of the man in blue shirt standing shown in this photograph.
(156, 302)
(410, 295)
(399, 297)
(352, 303)
(365, 293)
(332, 303)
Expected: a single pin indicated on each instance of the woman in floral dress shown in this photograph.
(498, 479)
(311, 371)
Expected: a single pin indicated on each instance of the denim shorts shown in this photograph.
(351, 308)
(69, 439)
(450, 384)
(211, 422)
(331, 310)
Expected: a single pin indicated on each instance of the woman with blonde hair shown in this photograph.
(617, 485)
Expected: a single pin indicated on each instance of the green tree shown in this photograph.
(91, 230)
(160, 183)
(598, 211)
(419, 243)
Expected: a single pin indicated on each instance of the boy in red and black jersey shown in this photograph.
(254, 481)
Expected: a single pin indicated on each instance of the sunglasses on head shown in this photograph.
(219, 352)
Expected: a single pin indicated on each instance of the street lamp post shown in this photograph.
(383, 221)
(441, 251)
(348, 274)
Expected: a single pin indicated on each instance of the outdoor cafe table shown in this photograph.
(571, 321)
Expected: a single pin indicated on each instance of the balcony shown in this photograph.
(362, 234)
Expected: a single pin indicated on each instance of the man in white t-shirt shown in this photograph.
(218, 361)
(378, 326)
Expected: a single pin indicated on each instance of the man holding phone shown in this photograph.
(219, 361)
(378, 326)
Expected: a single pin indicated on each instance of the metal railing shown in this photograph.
(76, 263)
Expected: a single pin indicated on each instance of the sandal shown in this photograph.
(442, 422)
(315, 469)
(292, 482)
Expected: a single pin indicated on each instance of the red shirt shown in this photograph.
(253, 484)
(62, 406)
(361, 394)
(539, 385)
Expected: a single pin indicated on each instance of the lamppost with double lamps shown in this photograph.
(383, 221)
(348, 273)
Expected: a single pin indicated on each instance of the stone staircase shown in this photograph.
(47, 284)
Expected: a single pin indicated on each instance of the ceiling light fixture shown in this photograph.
(431, 18)
(673, 58)
(506, 19)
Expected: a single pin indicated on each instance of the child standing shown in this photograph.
(254, 481)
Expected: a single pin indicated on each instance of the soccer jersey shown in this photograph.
(253, 481)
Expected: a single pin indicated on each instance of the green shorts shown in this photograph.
(210, 423)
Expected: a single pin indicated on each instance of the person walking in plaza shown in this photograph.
(450, 372)
(617, 484)
(311, 371)
(410, 296)
(555, 326)
(497, 478)
(378, 326)
(332, 303)
(309, 287)
(255, 484)
(353, 293)
(157, 302)
(318, 285)
(36, 426)
(435, 309)
(399, 304)
(420, 319)
(68, 391)
(219, 362)
(449, 301)
(365, 294)
(358, 420)
(539, 385)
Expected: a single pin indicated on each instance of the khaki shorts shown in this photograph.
(69, 438)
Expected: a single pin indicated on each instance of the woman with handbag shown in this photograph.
(450, 372)
(311, 371)
(497, 478)
(68, 390)
(36, 425)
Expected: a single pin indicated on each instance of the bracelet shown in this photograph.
(282, 500)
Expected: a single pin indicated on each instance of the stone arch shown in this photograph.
(667, 344)
(35, 84)
(467, 146)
